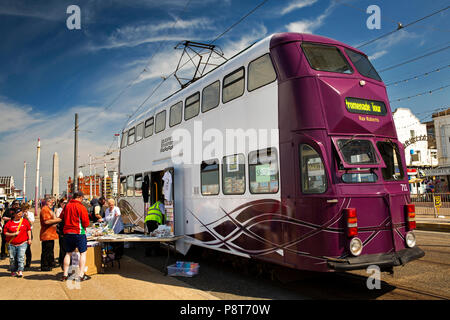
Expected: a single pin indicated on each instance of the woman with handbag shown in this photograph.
(18, 236)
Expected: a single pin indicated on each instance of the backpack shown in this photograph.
(60, 226)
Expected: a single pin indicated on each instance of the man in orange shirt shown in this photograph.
(48, 235)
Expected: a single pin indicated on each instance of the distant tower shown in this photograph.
(55, 175)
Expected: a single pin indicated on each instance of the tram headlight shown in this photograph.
(410, 239)
(356, 246)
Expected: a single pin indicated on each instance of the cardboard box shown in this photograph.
(93, 260)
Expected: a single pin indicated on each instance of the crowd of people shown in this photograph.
(65, 221)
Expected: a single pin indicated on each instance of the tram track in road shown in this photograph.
(421, 293)
(231, 277)
(394, 291)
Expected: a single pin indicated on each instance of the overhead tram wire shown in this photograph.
(146, 66)
(414, 59)
(239, 21)
(400, 27)
(420, 94)
(418, 76)
(215, 39)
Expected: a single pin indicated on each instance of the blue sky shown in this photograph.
(48, 72)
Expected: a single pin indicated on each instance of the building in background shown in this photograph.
(7, 189)
(441, 127)
(420, 148)
(98, 185)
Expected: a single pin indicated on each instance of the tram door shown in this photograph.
(315, 204)
(155, 186)
(158, 179)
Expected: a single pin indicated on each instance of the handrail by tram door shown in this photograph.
(387, 199)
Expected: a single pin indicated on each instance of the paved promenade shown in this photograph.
(133, 280)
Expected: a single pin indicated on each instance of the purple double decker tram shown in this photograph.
(342, 166)
(329, 193)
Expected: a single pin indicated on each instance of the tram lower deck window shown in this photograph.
(391, 156)
(263, 171)
(359, 177)
(209, 176)
(357, 151)
(312, 170)
(130, 186)
(233, 174)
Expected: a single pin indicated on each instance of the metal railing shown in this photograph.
(425, 204)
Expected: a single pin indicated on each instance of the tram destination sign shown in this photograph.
(362, 106)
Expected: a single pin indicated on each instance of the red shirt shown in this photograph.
(11, 227)
(76, 217)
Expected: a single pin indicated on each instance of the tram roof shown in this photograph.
(257, 49)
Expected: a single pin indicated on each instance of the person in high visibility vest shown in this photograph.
(155, 216)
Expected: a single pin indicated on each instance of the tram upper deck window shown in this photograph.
(357, 151)
(148, 131)
(131, 136)
(233, 174)
(210, 96)
(192, 106)
(326, 58)
(260, 72)
(363, 64)
(175, 114)
(391, 156)
(123, 144)
(233, 85)
(139, 131)
(209, 176)
(160, 121)
(263, 171)
(312, 170)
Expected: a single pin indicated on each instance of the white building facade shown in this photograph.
(412, 133)
(442, 130)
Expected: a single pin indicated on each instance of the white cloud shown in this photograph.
(310, 25)
(377, 55)
(21, 127)
(297, 4)
(136, 35)
(233, 47)
(15, 118)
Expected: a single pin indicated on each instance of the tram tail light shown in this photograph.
(352, 222)
(411, 216)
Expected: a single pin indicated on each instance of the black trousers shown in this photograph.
(28, 253)
(47, 255)
(152, 225)
(3, 250)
